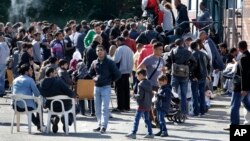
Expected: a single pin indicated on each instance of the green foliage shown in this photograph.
(63, 10)
(4, 4)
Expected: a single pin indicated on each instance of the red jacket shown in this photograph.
(153, 5)
(145, 52)
(131, 44)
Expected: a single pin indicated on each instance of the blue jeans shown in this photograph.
(138, 115)
(198, 93)
(2, 78)
(183, 83)
(236, 100)
(102, 98)
(160, 117)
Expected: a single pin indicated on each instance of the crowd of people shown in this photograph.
(47, 60)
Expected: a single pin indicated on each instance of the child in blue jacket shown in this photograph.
(162, 104)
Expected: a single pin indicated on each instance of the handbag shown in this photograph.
(179, 70)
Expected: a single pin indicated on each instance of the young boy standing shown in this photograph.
(162, 104)
(144, 101)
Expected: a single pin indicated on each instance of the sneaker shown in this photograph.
(131, 136)
(164, 134)
(227, 128)
(97, 129)
(54, 122)
(158, 134)
(103, 130)
(92, 114)
(151, 136)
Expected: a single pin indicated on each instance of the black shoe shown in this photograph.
(164, 134)
(39, 128)
(127, 110)
(54, 122)
(97, 129)
(2, 95)
(92, 114)
(116, 110)
(154, 126)
(158, 134)
(103, 130)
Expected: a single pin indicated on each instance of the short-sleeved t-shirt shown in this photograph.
(151, 63)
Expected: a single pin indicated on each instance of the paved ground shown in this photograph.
(208, 128)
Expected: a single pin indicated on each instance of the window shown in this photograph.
(193, 4)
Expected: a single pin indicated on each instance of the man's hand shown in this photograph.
(96, 78)
(243, 93)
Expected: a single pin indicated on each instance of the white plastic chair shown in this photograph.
(64, 113)
(28, 113)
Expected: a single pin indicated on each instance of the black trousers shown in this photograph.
(123, 92)
(35, 119)
(91, 106)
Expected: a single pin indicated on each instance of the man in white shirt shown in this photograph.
(4, 54)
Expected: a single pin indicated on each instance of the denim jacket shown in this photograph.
(25, 85)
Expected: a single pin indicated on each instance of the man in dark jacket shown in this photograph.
(182, 16)
(241, 85)
(103, 71)
(146, 36)
(180, 56)
(198, 79)
(90, 56)
(69, 49)
(52, 86)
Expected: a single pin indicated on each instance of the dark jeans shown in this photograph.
(138, 116)
(35, 119)
(235, 106)
(91, 106)
(183, 83)
(123, 92)
(162, 123)
(198, 93)
(135, 80)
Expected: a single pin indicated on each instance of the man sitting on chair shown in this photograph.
(52, 86)
(25, 85)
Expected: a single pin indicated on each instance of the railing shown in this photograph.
(203, 28)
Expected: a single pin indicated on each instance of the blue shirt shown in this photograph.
(25, 85)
